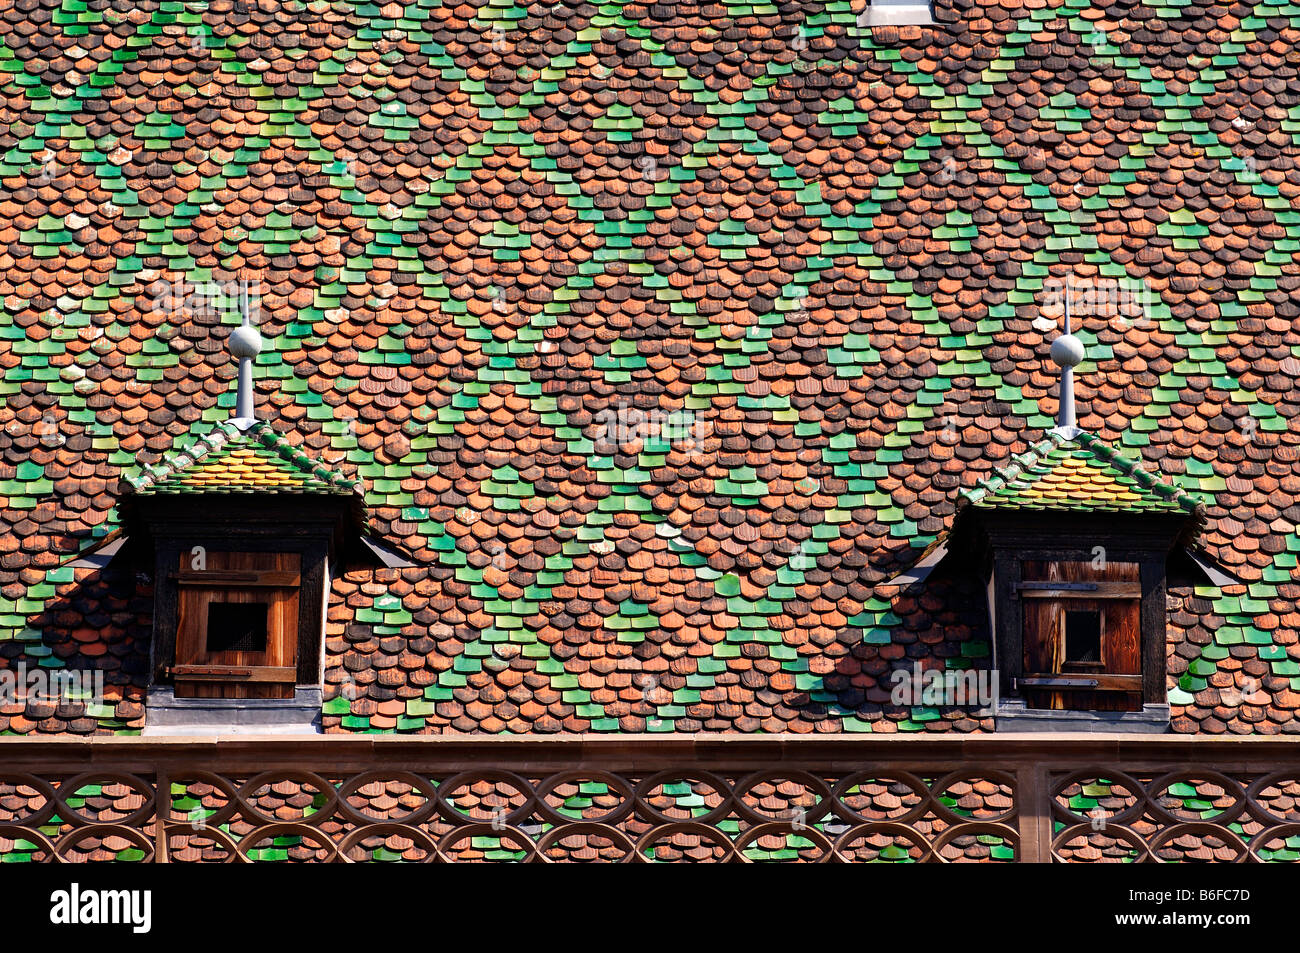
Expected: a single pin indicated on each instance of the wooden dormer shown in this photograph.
(241, 532)
(243, 527)
(1077, 546)
(1079, 542)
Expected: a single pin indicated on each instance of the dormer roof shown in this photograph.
(1077, 473)
(234, 459)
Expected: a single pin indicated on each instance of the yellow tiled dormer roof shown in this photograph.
(1077, 473)
(257, 460)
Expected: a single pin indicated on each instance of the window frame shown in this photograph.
(1113, 593)
(309, 527)
(235, 577)
(1013, 537)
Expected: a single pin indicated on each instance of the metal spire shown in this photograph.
(245, 344)
(1067, 352)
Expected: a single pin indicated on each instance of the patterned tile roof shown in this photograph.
(660, 333)
(231, 460)
(1079, 473)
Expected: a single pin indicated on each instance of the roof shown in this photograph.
(481, 230)
(1077, 473)
(233, 460)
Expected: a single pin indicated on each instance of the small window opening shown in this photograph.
(1083, 641)
(237, 626)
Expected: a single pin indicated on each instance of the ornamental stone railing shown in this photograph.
(984, 798)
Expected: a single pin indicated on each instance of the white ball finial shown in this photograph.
(245, 341)
(1067, 351)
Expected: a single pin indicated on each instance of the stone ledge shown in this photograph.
(1012, 715)
(165, 714)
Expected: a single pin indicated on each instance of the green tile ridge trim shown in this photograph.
(999, 488)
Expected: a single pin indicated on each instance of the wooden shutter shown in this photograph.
(1049, 592)
(235, 586)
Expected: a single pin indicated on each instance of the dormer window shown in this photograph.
(241, 532)
(1078, 541)
(243, 529)
(1077, 546)
(237, 629)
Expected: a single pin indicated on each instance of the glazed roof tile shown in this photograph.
(815, 259)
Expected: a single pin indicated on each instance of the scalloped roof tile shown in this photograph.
(487, 235)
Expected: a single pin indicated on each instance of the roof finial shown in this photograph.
(1067, 352)
(245, 344)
